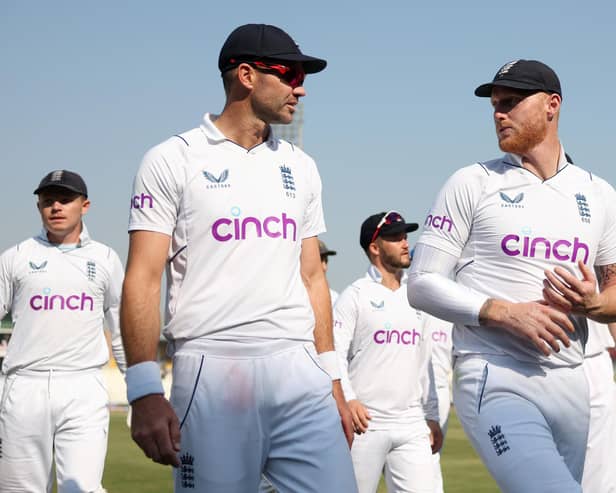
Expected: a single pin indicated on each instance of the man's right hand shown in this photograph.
(535, 321)
(360, 415)
(156, 429)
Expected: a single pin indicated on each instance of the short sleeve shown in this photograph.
(448, 224)
(314, 222)
(155, 200)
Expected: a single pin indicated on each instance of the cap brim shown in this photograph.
(65, 187)
(396, 228)
(485, 90)
(328, 253)
(311, 64)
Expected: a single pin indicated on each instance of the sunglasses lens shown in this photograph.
(294, 77)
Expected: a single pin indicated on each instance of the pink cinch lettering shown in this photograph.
(74, 302)
(392, 336)
(539, 247)
(141, 201)
(225, 229)
(439, 222)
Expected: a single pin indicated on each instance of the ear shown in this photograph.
(246, 75)
(373, 248)
(85, 206)
(553, 102)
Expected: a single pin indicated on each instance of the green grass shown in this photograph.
(127, 470)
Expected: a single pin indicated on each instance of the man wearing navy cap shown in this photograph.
(507, 254)
(233, 213)
(62, 289)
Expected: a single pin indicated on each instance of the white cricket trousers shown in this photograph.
(247, 409)
(403, 454)
(528, 423)
(47, 415)
(599, 470)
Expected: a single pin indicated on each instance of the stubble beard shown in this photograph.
(396, 262)
(527, 136)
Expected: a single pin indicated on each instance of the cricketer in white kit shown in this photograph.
(513, 231)
(61, 288)
(384, 348)
(233, 214)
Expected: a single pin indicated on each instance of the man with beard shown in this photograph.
(500, 228)
(233, 214)
(384, 347)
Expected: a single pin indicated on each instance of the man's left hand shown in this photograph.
(436, 435)
(570, 294)
(344, 411)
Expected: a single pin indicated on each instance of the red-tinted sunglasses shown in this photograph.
(294, 76)
(389, 218)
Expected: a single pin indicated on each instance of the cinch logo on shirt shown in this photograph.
(439, 222)
(515, 246)
(142, 201)
(48, 301)
(388, 335)
(238, 228)
(439, 336)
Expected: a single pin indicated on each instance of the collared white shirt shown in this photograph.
(236, 219)
(384, 352)
(507, 226)
(60, 301)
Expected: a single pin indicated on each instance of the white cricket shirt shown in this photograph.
(507, 226)
(384, 352)
(236, 219)
(60, 301)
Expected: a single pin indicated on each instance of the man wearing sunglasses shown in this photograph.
(520, 235)
(385, 347)
(233, 213)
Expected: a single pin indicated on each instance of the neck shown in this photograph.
(390, 278)
(543, 159)
(240, 125)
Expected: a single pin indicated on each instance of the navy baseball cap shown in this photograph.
(383, 224)
(264, 42)
(62, 178)
(527, 75)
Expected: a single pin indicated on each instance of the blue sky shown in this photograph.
(91, 86)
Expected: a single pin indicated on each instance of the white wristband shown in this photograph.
(143, 379)
(329, 362)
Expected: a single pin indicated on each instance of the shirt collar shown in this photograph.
(84, 236)
(516, 159)
(213, 134)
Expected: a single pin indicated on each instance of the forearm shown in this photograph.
(140, 319)
(318, 292)
(431, 289)
(605, 309)
(445, 299)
